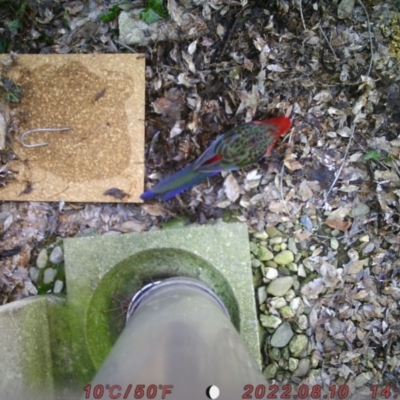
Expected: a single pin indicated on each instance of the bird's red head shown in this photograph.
(280, 125)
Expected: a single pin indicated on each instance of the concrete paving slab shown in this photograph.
(98, 268)
(25, 357)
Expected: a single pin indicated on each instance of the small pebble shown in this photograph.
(285, 353)
(306, 222)
(290, 295)
(264, 254)
(58, 286)
(270, 371)
(360, 210)
(275, 354)
(302, 369)
(296, 283)
(295, 303)
(271, 273)
(298, 344)
(292, 267)
(293, 363)
(280, 286)
(272, 232)
(302, 322)
(56, 256)
(286, 312)
(334, 244)
(308, 264)
(369, 248)
(282, 335)
(49, 275)
(292, 246)
(276, 240)
(283, 270)
(260, 235)
(301, 271)
(271, 264)
(262, 294)
(278, 303)
(364, 239)
(34, 273)
(41, 261)
(270, 321)
(314, 362)
(284, 258)
(276, 248)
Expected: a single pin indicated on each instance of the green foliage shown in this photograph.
(111, 15)
(13, 91)
(16, 10)
(14, 25)
(153, 11)
(149, 16)
(372, 155)
(21, 9)
(48, 40)
(4, 43)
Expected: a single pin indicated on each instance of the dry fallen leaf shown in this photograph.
(154, 210)
(3, 132)
(130, 226)
(304, 191)
(232, 188)
(314, 287)
(170, 105)
(337, 224)
(302, 234)
(291, 163)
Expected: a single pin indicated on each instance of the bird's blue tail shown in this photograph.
(170, 187)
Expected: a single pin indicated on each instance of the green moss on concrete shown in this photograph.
(25, 364)
(218, 255)
(66, 382)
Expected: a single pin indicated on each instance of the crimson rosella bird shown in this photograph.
(240, 146)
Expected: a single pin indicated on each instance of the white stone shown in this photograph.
(41, 261)
(58, 286)
(49, 275)
(271, 273)
(277, 302)
(295, 303)
(56, 256)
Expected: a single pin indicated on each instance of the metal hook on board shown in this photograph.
(23, 136)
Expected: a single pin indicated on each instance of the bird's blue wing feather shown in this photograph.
(177, 183)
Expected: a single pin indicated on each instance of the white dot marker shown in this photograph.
(212, 392)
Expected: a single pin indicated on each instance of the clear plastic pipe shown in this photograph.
(178, 344)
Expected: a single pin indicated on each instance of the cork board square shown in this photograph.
(101, 98)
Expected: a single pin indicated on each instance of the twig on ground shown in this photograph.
(125, 45)
(343, 162)
(231, 32)
(281, 189)
(370, 37)
(301, 14)
(328, 42)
